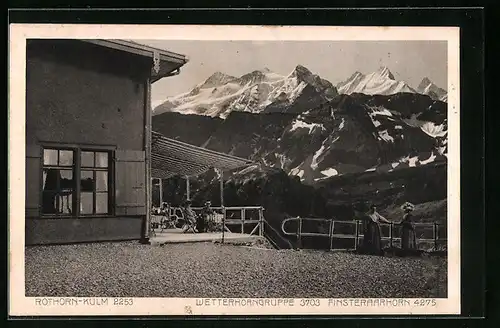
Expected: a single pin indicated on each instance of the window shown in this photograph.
(76, 182)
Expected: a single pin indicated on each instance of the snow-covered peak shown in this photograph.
(300, 72)
(351, 82)
(427, 87)
(217, 79)
(381, 82)
(384, 73)
(252, 92)
(425, 82)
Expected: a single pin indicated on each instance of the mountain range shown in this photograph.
(263, 91)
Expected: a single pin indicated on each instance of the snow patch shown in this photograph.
(434, 130)
(385, 136)
(376, 123)
(413, 161)
(298, 124)
(330, 172)
(342, 124)
(429, 160)
(394, 165)
(379, 110)
(398, 127)
(319, 152)
(371, 170)
(282, 159)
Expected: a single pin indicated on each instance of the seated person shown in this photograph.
(189, 214)
(204, 218)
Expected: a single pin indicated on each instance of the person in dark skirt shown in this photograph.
(371, 230)
(408, 238)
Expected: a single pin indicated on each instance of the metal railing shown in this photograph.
(357, 236)
(227, 216)
(246, 215)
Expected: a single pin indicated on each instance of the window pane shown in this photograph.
(50, 177)
(49, 202)
(66, 203)
(66, 180)
(66, 157)
(101, 181)
(87, 158)
(86, 202)
(87, 181)
(101, 159)
(101, 203)
(50, 157)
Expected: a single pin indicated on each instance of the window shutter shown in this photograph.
(33, 180)
(130, 182)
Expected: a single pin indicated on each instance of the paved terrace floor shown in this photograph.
(175, 236)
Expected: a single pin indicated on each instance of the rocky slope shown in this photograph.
(351, 133)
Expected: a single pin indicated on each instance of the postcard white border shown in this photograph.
(19, 305)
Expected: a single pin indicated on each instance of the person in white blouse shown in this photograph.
(371, 238)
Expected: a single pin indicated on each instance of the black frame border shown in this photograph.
(472, 52)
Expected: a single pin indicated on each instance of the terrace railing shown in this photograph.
(243, 219)
(341, 230)
(241, 216)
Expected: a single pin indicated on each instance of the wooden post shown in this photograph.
(390, 234)
(221, 187)
(357, 234)
(161, 192)
(223, 222)
(147, 161)
(261, 221)
(330, 233)
(188, 191)
(435, 235)
(242, 220)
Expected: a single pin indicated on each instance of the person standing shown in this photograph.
(372, 243)
(408, 238)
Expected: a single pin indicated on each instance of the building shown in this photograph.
(88, 138)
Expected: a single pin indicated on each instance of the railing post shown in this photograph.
(390, 234)
(261, 222)
(299, 232)
(242, 220)
(435, 235)
(223, 222)
(357, 234)
(330, 233)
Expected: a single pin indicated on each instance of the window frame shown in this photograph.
(76, 170)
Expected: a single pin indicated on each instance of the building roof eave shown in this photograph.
(170, 62)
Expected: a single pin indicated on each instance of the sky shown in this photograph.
(335, 61)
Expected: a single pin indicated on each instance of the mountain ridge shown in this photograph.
(263, 91)
(256, 92)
